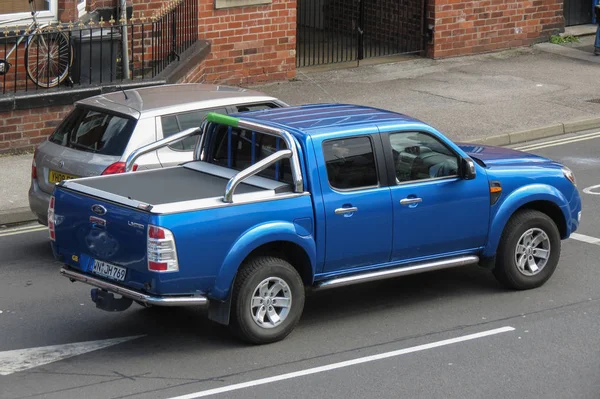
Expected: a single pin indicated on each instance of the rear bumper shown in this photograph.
(135, 295)
(38, 203)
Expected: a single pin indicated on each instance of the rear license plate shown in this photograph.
(57, 177)
(109, 271)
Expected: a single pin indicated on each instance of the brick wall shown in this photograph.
(23, 130)
(97, 4)
(67, 10)
(147, 7)
(471, 27)
(249, 44)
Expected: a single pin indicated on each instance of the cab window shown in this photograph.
(350, 163)
(420, 156)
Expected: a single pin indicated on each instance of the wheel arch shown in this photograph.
(278, 239)
(546, 199)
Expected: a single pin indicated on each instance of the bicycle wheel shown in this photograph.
(48, 57)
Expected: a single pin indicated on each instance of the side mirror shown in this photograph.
(467, 168)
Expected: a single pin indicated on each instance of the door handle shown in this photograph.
(341, 211)
(408, 201)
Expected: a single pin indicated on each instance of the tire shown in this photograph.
(276, 277)
(53, 49)
(527, 232)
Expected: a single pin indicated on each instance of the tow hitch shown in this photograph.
(106, 301)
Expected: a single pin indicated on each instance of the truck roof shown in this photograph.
(164, 98)
(316, 119)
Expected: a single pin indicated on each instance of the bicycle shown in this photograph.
(48, 53)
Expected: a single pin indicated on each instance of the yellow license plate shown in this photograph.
(57, 177)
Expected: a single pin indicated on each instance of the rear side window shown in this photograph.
(172, 124)
(255, 107)
(94, 131)
(350, 163)
(242, 148)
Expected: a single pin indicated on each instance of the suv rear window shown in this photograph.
(94, 131)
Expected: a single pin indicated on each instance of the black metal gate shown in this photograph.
(578, 12)
(331, 31)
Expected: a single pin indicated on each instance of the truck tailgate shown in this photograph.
(101, 238)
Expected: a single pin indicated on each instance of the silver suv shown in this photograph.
(100, 132)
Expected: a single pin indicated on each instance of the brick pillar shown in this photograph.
(96, 4)
(67, 10)
(147, 7)
(470, 27)
(249, 44)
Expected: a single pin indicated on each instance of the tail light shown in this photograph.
(117, 167)
(51, 226)
(162, 253)
(34, 166)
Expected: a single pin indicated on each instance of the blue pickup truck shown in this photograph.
(279, 202)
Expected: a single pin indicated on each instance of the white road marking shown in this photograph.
(23, 359)
(21, 230)
(559, 140)
(347, 363)
(590, 190)
(553, 143)
(584, 238)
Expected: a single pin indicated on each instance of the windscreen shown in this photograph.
(94, 131)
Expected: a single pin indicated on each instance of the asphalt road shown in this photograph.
(447, 334)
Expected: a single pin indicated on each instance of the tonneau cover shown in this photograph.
(193, 181)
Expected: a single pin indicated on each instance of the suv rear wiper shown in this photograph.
(82, 147)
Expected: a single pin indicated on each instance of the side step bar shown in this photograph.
(138, 296)
(396, 272)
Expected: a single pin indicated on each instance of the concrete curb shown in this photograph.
(22, 215)
(17, 215)
(556, 129)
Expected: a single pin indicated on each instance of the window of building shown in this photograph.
(18, 12)
(81, 7)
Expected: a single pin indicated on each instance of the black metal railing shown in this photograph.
(73, 55)
(352, 30)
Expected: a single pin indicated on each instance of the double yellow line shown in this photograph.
(21, 230)
(554, 143)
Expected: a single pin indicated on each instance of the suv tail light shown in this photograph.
(162, 253)
(51, 226)
(34, 166)
(117, 167)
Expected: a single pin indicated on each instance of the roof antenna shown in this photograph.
(125, 94)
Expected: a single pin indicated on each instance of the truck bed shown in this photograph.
(192, 181)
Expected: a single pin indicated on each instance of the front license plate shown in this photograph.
(57, 177)
(109, 271)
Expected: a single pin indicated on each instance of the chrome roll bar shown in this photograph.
(199, 154)
(156, 145)
(251, 171)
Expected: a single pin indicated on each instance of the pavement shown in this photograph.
(447, 334)
(15, 177)
(499, 98)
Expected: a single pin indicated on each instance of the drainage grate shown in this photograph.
(594, 100)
